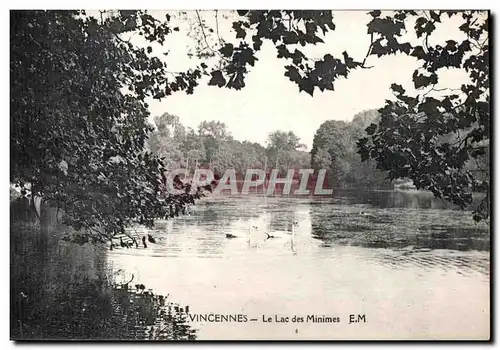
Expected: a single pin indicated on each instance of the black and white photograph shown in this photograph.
(250, 175)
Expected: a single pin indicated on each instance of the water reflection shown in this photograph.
(147, 316)
(337, 221)
(397, 227)
(409, 199)
(346, 255)
(63, 291)
(349, 254)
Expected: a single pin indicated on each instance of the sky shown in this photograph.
(271, 102)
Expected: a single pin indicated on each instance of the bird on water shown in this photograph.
(269, 236)
(294, 223)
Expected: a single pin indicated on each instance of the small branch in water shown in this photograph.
(125, 285)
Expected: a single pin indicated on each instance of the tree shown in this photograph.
(77, 138)
(334, 149)
(281, 149)
(286, 29)
(247, 155)
(331, 136)
(179, 146)
(193, 149)
(321, 159)
(406, 141)
(213, 134)
(330, 145)
(363, 174)
(434, 140)
(166, 140)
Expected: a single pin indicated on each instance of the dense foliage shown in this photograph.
(77, 135)
(334, 148)
(213, 146)
(79, 111)
(439, 141)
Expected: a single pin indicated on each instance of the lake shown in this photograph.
(411, 266)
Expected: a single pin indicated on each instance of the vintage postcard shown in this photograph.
(250, 175)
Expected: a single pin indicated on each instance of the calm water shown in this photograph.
(413, 266)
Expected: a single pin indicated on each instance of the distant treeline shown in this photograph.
(212, 146)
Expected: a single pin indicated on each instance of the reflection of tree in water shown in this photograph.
(63, 291)
(456, 238)
(210, 214)
(375, 227)
(409, 199)
(220, 212)
(281, 220)
(281, 212)
(223, 212)
(93, 310)
(394, 199)
(145, 315)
